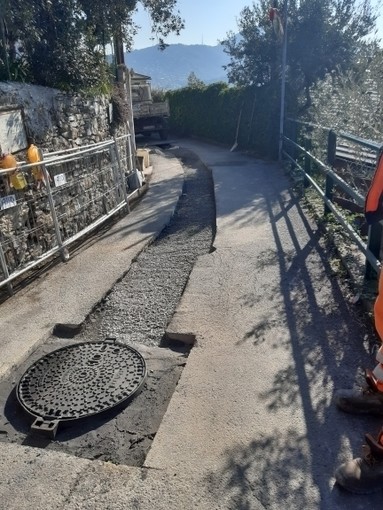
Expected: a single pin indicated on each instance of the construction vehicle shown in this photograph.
(149, 116)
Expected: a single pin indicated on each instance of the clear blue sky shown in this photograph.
(206, 21)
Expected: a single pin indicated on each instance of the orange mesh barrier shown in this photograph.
(374, 200)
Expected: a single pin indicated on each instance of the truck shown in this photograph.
(148, 116)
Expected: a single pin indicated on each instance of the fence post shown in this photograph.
(294, 138)
(121, 173)
(307, 146)
(4, 267)
(331, 156)
(329, 192)
(131, 165)
(331, 148)
(375, 232)
(115, 171)
(64, 254)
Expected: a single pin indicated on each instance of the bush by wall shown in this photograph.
(213, 112)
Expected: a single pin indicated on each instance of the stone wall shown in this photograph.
(90, 187)
(56, 120)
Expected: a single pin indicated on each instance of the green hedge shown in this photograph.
(212, 113)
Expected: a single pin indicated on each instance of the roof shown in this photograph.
(139, 77)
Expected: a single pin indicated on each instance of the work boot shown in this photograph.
(363, 475)
(367, 400)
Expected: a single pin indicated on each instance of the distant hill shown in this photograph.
(169, 69)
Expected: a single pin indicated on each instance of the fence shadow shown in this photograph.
(329, 343)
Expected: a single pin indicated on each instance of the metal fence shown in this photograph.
(55, 203)
(339, 167)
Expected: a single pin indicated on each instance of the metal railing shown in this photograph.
(339, 167)
(58, 201)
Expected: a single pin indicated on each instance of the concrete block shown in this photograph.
(144, 154)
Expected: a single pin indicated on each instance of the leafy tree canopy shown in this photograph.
(322, 36)
(61, 43)
(353, 101)
(106, 18)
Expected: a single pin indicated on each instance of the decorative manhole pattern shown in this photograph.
(81, 380)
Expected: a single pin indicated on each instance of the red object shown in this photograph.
(276, 21)
(273, 13)
(373, 208)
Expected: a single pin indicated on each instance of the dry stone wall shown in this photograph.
(55, 121)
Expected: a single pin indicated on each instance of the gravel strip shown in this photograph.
(140, 306)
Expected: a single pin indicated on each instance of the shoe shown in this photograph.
(363, 475)
(363, 401)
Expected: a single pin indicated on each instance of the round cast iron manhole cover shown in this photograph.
(81, 380)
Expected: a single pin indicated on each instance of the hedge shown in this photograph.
(212, 112)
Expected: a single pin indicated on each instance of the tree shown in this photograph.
(353, 101)
(47, 43)
(194, 82)
(323, 36)
(61, 43)
(106, 18)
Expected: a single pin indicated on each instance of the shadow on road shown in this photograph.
(330, 342)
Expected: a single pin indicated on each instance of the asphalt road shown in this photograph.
(251, 424)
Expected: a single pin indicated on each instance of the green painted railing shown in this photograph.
(339, 167)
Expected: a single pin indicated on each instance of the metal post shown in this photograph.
(331, 148)
(329, 191)
(64, 254)
(293, 135)
(308, 146)
(331, 156)
(131, 162)
(114, 164)
(122, 174)
(4, 267)
(283, 82)
(131, 117)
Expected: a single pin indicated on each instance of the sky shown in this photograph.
(207, 22)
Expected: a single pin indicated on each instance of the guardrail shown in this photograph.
(59, 200)
(339, 167)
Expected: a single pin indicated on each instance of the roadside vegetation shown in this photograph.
(62, 43)
(333, 75)
(353, 100)
(334, 63)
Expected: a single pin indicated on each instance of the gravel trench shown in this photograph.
(136, 311)
(140, 306)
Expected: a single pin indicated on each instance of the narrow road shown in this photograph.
(251, 424)
(276, 335)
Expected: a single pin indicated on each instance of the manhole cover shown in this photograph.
(79, 381)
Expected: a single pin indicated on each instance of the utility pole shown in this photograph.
(124, 79)
(3, 38)
(283, 82)
(119, 48)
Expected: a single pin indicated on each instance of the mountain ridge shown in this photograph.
(170, 68)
